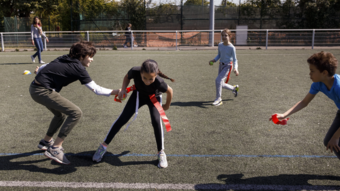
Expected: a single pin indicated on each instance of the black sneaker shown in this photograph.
(43, 145)
(235, 91)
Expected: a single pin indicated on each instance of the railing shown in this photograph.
(176, 39)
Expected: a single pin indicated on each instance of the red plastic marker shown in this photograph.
(277, 121)
(155, 103)
(129, 89)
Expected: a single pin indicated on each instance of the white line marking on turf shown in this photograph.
(49, 184)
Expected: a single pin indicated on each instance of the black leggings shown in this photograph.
(334, 127)
(127, 113)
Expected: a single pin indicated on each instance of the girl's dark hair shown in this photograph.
(324, 61)
(82, 49)
(151, 66)
(34, 23)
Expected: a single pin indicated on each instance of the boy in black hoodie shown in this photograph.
(45, 90)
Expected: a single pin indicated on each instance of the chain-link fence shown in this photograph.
(175, 39)
(23, 24)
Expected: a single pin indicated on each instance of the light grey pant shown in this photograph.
(334, 127)
(66, 113)
(223, 71)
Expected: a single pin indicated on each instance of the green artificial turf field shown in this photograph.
(233, 144)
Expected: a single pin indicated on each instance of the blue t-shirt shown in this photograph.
(227, 54)
(333, 93)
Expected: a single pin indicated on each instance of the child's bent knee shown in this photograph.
(77, 114)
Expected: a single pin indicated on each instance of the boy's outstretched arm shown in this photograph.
(169, 94)
(297, 107)
(125, 84)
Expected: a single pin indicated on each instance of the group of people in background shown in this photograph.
(148, 81)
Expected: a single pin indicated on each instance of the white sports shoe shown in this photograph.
(163, 163)
(33, 59)
(42, 62)
(217, 102)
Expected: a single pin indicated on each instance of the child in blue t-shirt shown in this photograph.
(322, 67)
(227, 56)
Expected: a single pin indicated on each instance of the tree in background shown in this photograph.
(83, 10)
(288, 15)
(321, 14)
(197, 2)
(23, 8)
(135, 12)
(166, 12)
(228, 3)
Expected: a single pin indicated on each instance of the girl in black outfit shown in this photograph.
(148, 81)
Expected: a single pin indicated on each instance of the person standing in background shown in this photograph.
(36, 33)
(128, 35)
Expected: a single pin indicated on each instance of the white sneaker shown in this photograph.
(42, 62)
(163, 163)
(217, 102)
(33, 59)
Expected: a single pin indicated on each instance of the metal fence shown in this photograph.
(176, 39)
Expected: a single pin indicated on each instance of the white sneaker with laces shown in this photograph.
(33, 59)
(42, 62)
(217, 102)
(163, 163)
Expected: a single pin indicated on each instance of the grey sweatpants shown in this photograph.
(334, 127)
(223, 71)
(66, 113)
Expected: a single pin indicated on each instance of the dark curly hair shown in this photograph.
(324, 61)
(82, 49)
(151, 66)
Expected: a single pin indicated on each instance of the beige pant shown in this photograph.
(66, 113)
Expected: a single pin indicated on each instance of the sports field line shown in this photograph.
(163, 186)
(182, 155)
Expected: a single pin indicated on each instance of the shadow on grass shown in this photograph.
(18, 162)
(83, 159)
(17, 63)
(110, 158)
(280, 182)
(201, 104)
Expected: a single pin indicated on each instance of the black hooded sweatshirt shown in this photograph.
(61, 72)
